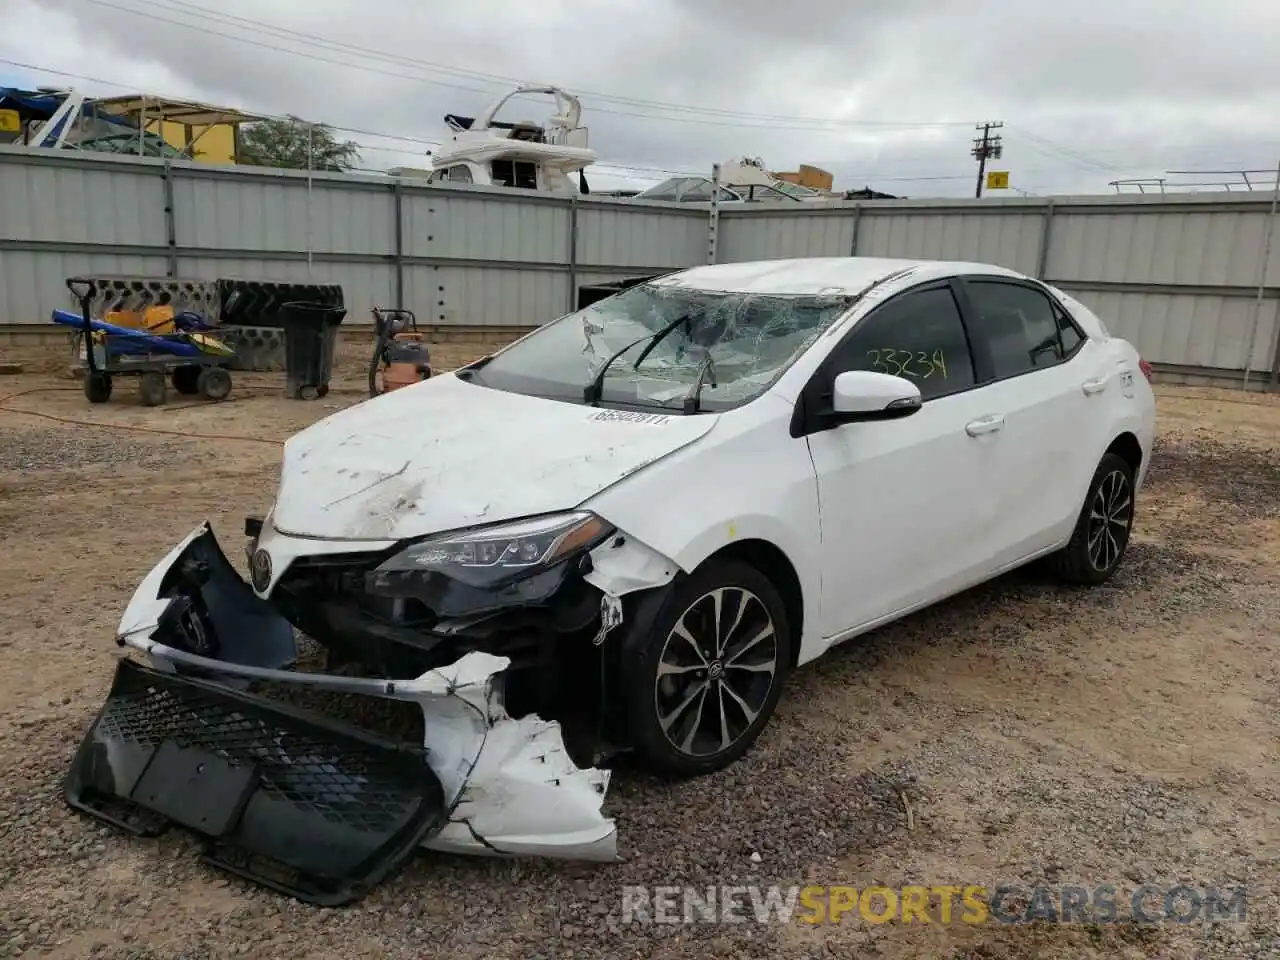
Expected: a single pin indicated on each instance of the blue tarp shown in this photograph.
(30, 104)
(36, 105)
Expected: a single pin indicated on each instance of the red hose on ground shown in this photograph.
(132, 428)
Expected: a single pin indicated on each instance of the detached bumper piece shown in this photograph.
(318, 810)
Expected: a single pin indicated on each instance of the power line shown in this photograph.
(620, 167)
(604, 164)
(702, 115)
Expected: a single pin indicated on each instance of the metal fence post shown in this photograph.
(398, 194)
(1275, 363)
(1046, 234)
(857, 223)
(1262, 289)
(713, 216)
(170, 222)
(573, 254)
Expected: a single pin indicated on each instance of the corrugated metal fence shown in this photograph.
(1182, 277)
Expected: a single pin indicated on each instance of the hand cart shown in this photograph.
(155, 361)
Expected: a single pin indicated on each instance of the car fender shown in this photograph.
(746, 480)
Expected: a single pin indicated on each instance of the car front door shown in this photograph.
(1049, 382)
(906, 506)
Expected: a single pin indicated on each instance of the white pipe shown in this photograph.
(310, 163)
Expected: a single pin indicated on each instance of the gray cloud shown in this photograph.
(1100, 90)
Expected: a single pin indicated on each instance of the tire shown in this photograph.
(214, 383)
(152, 389)
(1097, 545)
(685, 746)
(186, 380)
(258, 303)
(97, 387)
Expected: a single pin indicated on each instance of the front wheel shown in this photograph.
(707, 678)
(214, 383)
(1102, 530)
(97, 387)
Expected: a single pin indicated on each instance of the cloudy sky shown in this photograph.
(882, 93)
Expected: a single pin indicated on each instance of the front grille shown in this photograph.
(358, 790)
(274, 791)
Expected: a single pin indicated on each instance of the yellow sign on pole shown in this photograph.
(998, 180)
(10, 122)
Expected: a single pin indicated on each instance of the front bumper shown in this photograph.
(275, 790)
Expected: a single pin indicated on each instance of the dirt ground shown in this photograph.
(1021, 733)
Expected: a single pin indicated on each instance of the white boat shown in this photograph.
(523, 155)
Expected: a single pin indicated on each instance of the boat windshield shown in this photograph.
(737, 343)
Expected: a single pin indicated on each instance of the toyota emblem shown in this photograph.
(260, 570)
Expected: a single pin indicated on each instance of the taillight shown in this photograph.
(1146, 369)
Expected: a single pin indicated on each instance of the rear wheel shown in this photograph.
(1101, 534)
(214, 383)
(710, 674)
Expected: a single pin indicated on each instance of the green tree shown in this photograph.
(283, 143)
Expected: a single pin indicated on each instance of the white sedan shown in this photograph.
(624, 530)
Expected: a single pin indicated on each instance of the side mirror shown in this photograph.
(866, 395)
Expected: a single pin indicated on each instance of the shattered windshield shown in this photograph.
(739, 343)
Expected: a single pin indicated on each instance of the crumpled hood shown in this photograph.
(445, 454)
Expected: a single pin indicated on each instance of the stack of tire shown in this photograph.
(247, 313)
(250, 320)
(136, 294)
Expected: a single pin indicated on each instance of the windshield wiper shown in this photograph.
(693, 399)
(591, 393)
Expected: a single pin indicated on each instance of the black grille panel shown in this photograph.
(332, 804)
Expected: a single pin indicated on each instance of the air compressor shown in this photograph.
(400, 355)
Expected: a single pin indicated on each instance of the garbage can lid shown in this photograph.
(313, 310)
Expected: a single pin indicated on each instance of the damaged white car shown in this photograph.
(618, 533)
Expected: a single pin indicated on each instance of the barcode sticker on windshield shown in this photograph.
(629, 416)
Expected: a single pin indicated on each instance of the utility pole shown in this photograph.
(986, 147)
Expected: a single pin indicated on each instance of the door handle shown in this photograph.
(976, 428)
(1096, 385)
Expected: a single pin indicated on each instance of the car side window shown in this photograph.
(918, 336)
(1018, 325)
(1068, 331)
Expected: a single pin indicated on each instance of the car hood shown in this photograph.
(446, 454)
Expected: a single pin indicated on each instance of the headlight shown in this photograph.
(492, 555)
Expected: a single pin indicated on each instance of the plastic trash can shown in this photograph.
(310, 334)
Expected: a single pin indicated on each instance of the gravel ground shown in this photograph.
(1021, 733)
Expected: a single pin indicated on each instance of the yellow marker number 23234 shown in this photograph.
(916, 364)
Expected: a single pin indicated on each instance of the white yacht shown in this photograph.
(522, 154)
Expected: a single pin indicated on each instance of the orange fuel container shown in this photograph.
(407, 362)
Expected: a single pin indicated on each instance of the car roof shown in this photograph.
(819, 275)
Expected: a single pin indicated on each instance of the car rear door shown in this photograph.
(1050, 383)
(906, 507)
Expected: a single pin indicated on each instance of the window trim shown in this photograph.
(980, 347)
(815, 398)
(516, 163)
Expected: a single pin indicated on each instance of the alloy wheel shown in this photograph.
(1109, 517)
(716, 670)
